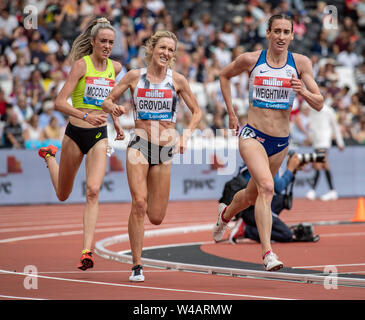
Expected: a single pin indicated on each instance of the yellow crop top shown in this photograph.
(94, 86)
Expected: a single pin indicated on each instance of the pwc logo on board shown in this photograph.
(13, 166)
(115, 164)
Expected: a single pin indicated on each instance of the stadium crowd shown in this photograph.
(34, 60)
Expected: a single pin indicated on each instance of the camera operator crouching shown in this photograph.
(245, 226)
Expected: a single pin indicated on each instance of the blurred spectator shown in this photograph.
(284, 8)
(185, 37)
(143, 27)
(360, 134)
(103, 8)
(185, 21)
(261, 13)
(333, 89)
(205, 27)
(3, 103)
(5, 41)
(355, 108)
(348, 57)
(345, 126)
(361, 94)
(222, 53)
(183, 60)
(23, 110)
(34, 89)
(250, 34)
(330, 73)
(6, 76)
(13, 132)
(48, 113)
(53, 131)
(5, 72)
(8, 22)
(350, 9)
(86, 8)
(228, 36)
(156, 6)
(299, 27)
(360, 74)
(20, 43)
(323, 129)
(345, 97)
(361, 14)
(37, 52)
(299, 131)
(21, 70)
(68, 22)
(218, 124)
(341, 42)
(351, 28)
(120, 48)
(58, 44)
(33, 135)
(322, 46)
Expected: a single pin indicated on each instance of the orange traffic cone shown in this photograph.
(360, 211)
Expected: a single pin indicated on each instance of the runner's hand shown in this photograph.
(233, 124)
(296, 84)
(120, 132)
(96, 119)
(118, 110)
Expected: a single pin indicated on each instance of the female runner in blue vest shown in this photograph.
(276, 76)
(155, 91)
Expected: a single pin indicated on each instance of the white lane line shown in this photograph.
(334, 265)
(100, 271)
(59, 234)
(20, 298)
(51, 226)
(347, 234)
(147, 287)
(71, 233)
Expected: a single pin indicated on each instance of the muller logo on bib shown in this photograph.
(272, 81)
(154, 93)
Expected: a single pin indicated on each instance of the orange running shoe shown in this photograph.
(86, 261)
(44, 151)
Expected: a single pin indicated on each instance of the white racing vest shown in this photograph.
(155, 101)
(269, 87)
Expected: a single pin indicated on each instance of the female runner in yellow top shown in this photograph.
(90, 81)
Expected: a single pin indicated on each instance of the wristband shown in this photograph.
(85, 115)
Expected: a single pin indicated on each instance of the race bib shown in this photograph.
(247, 132)
(96, 90)
(154, 104)
(271, 92)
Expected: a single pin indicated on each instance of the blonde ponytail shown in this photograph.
(82, 45)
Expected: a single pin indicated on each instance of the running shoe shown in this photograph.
(86, 261)
(44, 151)
(238, 231)
(137, 274)
(271, 262)
(331, 195)
(221, 226)
(311, 195)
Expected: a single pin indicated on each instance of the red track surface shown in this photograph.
(50, 238)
